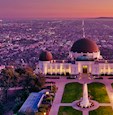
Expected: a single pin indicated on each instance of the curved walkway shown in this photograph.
(60, 83)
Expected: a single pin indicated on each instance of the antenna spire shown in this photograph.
(83, 30)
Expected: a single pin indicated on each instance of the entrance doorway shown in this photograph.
(85, 69)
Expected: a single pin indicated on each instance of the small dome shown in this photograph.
(84, 45)
(45, 56)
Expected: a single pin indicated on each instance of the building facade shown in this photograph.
(84, 57)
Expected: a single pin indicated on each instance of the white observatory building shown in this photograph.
(84, 57)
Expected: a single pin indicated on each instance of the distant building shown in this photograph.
(84, 57)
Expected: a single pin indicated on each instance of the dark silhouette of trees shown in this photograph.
(20, 77)
(7, 80)
(29, 80)
(1, 108)
(38, 82)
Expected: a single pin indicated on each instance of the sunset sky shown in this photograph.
(55, 8)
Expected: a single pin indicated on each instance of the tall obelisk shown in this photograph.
(85, 100)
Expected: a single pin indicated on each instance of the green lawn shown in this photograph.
(72, 92)
(98, 92)
(102, 111)
(66, 110)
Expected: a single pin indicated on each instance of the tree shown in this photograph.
(25, 82)
(20, 71)
(7, 80)
(41, 79)
(38, 82)
(26, 76)
(5, 85)
(29, 80)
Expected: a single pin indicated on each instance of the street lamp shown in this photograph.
(47, 93)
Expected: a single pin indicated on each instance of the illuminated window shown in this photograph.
(85, 66)
(49, 70)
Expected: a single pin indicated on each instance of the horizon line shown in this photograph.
(55, 18)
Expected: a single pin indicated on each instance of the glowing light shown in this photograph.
(47, 93)
(85, 66)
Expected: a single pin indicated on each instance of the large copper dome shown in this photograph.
(45, 56)
(85, 46)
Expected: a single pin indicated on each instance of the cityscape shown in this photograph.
(22, 41)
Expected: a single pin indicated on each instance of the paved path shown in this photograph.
(58, 97)
(60, 83)
(109, 90)
(85, 112)
(66, 104)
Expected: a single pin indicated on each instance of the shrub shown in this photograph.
(54, 89)
(39, 113)
(41, 109)
(45, 106)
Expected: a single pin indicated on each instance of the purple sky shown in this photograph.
(55, 8)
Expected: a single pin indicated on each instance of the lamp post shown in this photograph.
(47, 93)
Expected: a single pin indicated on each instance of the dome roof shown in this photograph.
(45, 56)
(85, 46)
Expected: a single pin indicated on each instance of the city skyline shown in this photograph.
(32, 9)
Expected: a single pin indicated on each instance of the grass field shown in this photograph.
(98, 92)
(67, 110)
(72, 92)
(102, 111)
